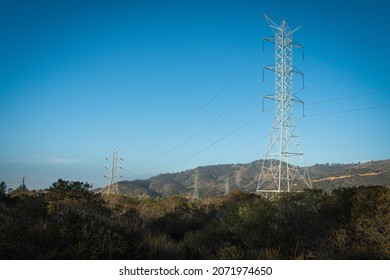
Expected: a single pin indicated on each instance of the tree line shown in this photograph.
(68, 221)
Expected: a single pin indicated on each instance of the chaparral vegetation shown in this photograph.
(68, 221)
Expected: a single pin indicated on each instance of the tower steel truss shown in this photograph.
(195, 194)
(113, 186)
(281, 171)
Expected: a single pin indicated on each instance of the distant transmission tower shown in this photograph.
(195, 195)
(238, 178)
(113, 186)
(227, 187)
(280, 170)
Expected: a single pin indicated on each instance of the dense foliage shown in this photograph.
(68, 221)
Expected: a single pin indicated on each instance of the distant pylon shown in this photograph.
(238, 178)
(227, 187)
(280, 170)
(113, 186)
(195, 195)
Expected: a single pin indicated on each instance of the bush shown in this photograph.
(68, 221)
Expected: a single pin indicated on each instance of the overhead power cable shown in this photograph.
(222, 116)
(241, 148)
(196, 153)
(348, 78)
(349, 111)
(348, 97)
(185, 121)
(217, 120)
(183, 94)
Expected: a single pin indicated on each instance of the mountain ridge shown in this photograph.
(244, 176)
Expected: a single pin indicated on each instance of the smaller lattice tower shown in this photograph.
(281, 171)
(238, 178)
(195, 194)
(227, 187)
(113, 185)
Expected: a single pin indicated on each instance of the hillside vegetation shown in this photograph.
(68, 221)
(212, 179)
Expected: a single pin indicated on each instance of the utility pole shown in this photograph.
(280, 170)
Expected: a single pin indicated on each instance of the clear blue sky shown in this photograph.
(177, 84)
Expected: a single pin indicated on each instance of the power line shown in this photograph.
(313, 103)
(307, 116)
(198, 111)
(349, 111)
(348, 97)
(210, 124)
(347, 78)
(217, 120)
(186, 158)
(241, 148)
(184, 93)
(338, 50)
(196, 153)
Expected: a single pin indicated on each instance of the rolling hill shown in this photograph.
(212, 179)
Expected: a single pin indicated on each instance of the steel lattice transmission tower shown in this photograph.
(195, 194)
(113, 186)
(227, 186)
(280, 170)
